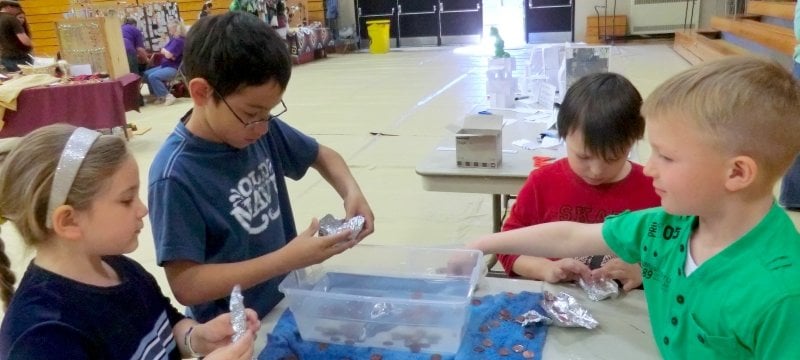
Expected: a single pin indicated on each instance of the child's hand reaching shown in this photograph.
(567, 269)
(462, 263)
(629, 274)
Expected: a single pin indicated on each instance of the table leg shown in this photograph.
(496, 212)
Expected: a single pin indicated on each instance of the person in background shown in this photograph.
(24, 21)
(720, 259)
(73, 195)
(206, 9)
(218, 185)
(600, 121)
(158, 77)
(134, 46)
(790, 186)
(15, 42)
(331, 16)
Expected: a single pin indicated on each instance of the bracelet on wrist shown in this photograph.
(187, 340)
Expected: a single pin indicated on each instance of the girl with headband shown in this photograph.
(73, 195)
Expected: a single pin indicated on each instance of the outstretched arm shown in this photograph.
(334, 170)
(560, 239)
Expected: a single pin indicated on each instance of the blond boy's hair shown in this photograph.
(744, 104)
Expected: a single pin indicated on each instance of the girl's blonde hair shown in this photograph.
(26, 178)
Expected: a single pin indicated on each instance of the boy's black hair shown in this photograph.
(130, 21)
(606, 108)
(11, 3)
(235, 50)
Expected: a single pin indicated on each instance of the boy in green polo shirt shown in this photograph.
(720, 259)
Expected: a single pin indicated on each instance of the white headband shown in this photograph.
(71, 159)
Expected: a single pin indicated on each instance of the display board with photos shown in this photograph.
(580, 60)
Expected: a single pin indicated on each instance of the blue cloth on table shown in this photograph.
(285, 341)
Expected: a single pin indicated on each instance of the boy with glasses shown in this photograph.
(219, 205)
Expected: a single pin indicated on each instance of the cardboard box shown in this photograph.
(479, 142)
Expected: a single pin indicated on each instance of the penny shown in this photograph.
(503, 351)
(527, 354)
(518, 348)
(487, 342)
(504, 313)
(436, 357)
(494, 323)
(520, 319)
(529, 335)
(484, 328)
(478, 349)
(510, 294)
(476, 302)
(376, 357)
(322, 346)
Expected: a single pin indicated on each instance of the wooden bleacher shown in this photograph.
(43, 14)
(704, 45)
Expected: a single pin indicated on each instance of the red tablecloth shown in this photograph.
(307, 44)
(92, 105)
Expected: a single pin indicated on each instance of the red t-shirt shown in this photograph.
(555, 193)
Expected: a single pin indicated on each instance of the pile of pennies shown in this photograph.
(503, 315)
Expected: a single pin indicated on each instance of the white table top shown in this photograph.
(440, 173)
(624, 331)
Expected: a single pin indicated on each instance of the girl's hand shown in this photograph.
(217, 332)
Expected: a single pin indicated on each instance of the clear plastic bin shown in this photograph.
(385, 296)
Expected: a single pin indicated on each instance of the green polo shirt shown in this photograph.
(742, 303)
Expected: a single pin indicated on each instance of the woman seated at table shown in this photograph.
(158, 77)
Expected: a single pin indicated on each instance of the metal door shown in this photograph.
(461, 21)
(418, 22)
(549, 20)
(367, 10)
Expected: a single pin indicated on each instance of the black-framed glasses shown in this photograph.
(254, 122)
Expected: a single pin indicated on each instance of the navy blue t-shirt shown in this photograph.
(53, 317)
(211, 203)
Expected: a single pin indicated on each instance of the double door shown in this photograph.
(424, 22)
(549, 20)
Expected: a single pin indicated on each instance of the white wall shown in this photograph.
(347, 15)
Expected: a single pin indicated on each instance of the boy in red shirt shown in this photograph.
(599, 121)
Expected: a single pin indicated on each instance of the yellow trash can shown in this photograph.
(378, 31)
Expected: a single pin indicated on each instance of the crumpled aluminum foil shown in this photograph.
(533, 317)
(565, 311)
(600, 289)
(238, 317)
(330, 225)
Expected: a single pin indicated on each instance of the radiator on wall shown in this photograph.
(663, 16)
